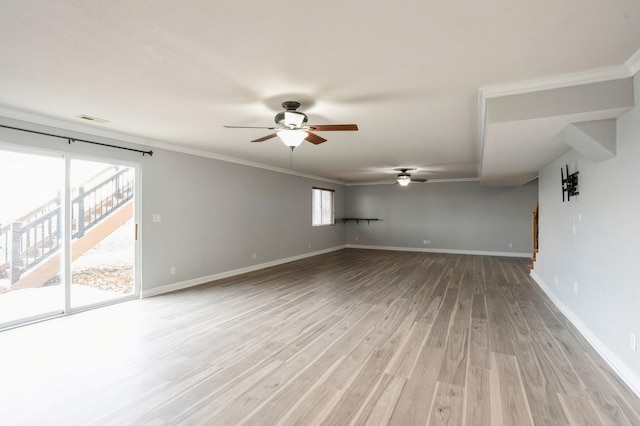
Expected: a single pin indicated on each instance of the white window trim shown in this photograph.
(314, 208)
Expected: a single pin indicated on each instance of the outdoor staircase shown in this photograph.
(30, 246)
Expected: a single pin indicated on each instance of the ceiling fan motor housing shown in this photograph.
(403, 173)
(290, 117)
(291, 105)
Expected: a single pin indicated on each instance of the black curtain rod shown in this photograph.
(150, 153)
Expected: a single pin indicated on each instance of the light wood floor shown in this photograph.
(351, 337)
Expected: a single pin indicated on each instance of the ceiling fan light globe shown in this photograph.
(292, 138)
(404, 180)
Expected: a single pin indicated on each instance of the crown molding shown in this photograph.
(453, 180)
(633, 64)
(206, 154)
(596, 75)
(90, 131)
(59, 124)
(389, 182)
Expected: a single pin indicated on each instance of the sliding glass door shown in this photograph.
(67, 235)
(31, 224)
(103, 232)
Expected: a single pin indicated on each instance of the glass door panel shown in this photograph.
(31, 239)
(102, 232)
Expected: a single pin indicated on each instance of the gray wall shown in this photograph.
(455, 216)
(594, 242)
(215, 214)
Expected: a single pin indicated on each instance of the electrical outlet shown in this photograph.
(173, 270)
(556, 281)
(510, 245)
(309, 245)
(426, 242)
(575, 287)
(156, 217)
(355, 238)
(254, 255)
(633, 342)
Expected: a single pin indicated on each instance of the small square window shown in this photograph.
(322, 207)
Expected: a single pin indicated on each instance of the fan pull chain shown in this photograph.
(291, 159)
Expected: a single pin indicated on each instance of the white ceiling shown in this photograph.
(408, 73)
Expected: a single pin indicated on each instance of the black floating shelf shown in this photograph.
(356, 219)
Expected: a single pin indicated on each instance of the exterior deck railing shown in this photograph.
(34, 237)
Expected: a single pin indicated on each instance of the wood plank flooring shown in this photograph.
(358, 337)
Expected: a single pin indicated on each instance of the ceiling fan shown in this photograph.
(404, 178)
(292, 127)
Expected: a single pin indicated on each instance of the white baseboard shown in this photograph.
(203, 280)
(624, 372)
(435, 250)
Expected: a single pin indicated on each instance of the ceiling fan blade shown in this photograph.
(250, 127)
(333, 127)
(264, 138)
(314, 139)
(419, 180)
